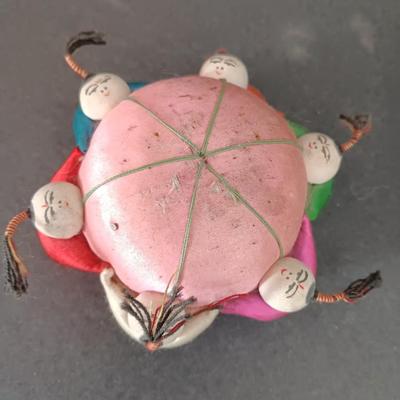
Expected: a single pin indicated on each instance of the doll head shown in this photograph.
(322, 157)
(226, 66)
(57, 210)
(288, 286)
(100, 93)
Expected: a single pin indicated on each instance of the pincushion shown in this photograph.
(194, 191)
(230, 248)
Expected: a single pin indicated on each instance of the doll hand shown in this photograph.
(359, 125)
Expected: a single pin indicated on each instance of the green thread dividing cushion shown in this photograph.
(318, 195)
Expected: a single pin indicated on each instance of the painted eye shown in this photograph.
(326, 153)
(46, 215)
(290, 287)
(302, 276)
(215, 61)
(91, 89)
(322, 139)
(229, 63)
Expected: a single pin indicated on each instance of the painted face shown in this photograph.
(57, 210)
(288, 286)
(226, 66)
(101, 93)
(322, 157)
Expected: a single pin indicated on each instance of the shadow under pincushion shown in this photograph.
(250, 199)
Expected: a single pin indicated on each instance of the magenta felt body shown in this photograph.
(137, 223)
(252, 305)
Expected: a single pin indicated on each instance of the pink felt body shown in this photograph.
(137, 223)
(251, 305)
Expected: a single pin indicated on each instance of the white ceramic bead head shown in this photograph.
(101, 93)
(57, 210)
(288, 286)
(321, 155)
(226, 66)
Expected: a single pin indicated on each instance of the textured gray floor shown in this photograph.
(313, 60)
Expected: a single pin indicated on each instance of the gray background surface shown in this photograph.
(313, 60)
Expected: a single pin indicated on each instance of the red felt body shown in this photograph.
(74, 252)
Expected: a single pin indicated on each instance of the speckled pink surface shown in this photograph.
(229, 249)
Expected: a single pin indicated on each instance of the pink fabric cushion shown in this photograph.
(137, 223)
